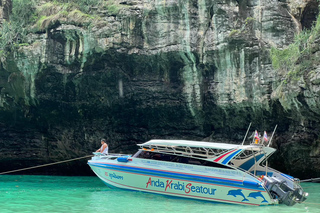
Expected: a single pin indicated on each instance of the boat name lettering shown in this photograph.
(180, 186)
(113, 175)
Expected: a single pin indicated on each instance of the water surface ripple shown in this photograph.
(89, 194)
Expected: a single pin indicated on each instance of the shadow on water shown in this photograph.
(89, 194)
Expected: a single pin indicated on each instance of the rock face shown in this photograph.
(6, 9)
(139, 70)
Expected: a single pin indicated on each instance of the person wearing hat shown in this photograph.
(104, 147)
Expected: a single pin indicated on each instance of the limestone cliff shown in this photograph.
(135, 70)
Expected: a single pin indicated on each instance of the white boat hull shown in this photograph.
(188, 181)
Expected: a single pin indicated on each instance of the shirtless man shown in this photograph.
(104, 147)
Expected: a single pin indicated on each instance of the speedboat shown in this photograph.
(219, 172)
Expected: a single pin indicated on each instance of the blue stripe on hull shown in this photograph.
(217, 181)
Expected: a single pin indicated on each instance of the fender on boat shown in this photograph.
(123, 159)
(251, 183)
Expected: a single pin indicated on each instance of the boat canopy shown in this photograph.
(198, 144)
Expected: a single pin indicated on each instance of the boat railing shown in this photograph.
(245, 171)
(187, 151)
(109, 156)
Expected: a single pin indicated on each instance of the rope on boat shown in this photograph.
(310, 180)
(311, 203)
(44, 165)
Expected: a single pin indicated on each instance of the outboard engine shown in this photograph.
(279, 189)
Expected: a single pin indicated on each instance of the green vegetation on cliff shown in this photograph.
(13, 32)
(298, 57)
(296, 65)
(29, 16)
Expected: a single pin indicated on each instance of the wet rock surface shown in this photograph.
(195, 69)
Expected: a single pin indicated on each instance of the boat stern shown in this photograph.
(288, 192)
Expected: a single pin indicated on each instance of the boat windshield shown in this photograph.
(177, 159)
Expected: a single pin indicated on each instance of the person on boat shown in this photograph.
(104, 147)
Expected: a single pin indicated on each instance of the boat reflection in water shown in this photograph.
(217, 172)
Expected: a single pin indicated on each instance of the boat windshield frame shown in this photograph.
(176, 158)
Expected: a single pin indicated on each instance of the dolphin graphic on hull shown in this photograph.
(257, 194)
(236, 193)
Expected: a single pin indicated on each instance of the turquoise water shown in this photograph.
(89, 194)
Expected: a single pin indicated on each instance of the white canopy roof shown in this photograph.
(201, 144)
